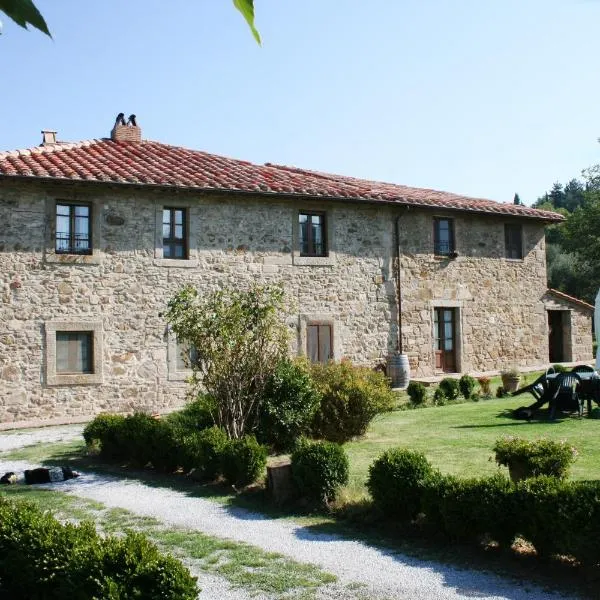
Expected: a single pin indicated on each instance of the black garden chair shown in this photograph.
(565, 396)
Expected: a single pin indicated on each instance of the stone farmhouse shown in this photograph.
(96, 236)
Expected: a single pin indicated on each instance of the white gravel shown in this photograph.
(363, 571)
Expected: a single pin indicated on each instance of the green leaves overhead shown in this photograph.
(246, 7)
(24, 12)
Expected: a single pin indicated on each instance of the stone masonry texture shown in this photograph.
(121, 290)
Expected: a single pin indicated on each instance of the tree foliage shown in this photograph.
(240, 338)
(24, 13)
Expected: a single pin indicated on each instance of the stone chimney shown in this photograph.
(126, 132)
(48, 137)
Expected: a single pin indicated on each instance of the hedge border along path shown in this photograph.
(375, 573)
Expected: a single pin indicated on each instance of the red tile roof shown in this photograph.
(563, 296)
(156, 164)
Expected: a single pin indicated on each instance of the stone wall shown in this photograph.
(120, 290)
(578, 335)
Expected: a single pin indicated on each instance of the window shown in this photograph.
(312, 234)
(187, 355)
(443, 237)
(318, 343)
(513, 240)
(74, 352)
(174, 232)
(73, 229)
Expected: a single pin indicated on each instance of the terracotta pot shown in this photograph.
(510, 384)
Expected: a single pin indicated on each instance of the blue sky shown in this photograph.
(479, 97)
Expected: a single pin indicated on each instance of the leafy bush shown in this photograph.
(100, 429)
(417, 393)
(467, 385)
(350, 398)
(535, 457)
(397, 480)
(41, 558)
(450, 388)
(501, 392)
(439, 397)
(289, 404)
(485, 384)
(319, 470)
(195, 416)
(558, 368)
(202, 450)
(243, 460)
(470, 509)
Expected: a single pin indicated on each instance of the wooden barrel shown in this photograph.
(398, 370)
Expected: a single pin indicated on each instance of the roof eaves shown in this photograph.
(571, 299)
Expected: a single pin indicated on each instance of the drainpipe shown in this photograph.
(398, 365)
(398, 289)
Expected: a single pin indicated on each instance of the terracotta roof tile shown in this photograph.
(153, 163)
(572, 299)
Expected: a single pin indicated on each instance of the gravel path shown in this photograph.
(363, 571)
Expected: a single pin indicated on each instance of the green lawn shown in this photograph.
(459, 438)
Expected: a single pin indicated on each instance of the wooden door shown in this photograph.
(445, 339)
(318, 343)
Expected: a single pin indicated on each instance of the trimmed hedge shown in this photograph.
(42, 559)
(319, 470)
(417, 393)
(397, 480)
(243, 461)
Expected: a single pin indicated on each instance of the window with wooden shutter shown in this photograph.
(319, 343)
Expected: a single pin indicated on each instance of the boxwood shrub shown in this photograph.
(397, 480)
(319, 470)
(417, 393)
(243, 460)
(102, 434)
(43, 559)
(471, 509)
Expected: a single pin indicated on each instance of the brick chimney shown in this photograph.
(126, 132)
(48, 137)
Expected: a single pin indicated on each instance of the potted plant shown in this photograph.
(510, 379)
(532, 458)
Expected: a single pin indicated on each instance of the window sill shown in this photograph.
(181, 263)
(314, 261)
(73, 259)
(179, 375)
(75, 379)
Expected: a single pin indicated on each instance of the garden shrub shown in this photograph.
(485, 384)
(470, 509)
(439, 397)
(137, 436)
(101, 434)
(558, 368)
(44, 559)
(350, 398)
(195, 416)
(450, 388)
(163, 446)
(397, 480)
(289, 404)
(202, 450)
(417, 393)
(535, 457)
(243, 460)
(501, 392)
(467, 385)
(319, 470)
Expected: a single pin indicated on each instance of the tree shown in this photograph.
(517, 200)
(24, 12)
(239, 338)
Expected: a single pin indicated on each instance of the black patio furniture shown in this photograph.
(547, 385)
(566, 394)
